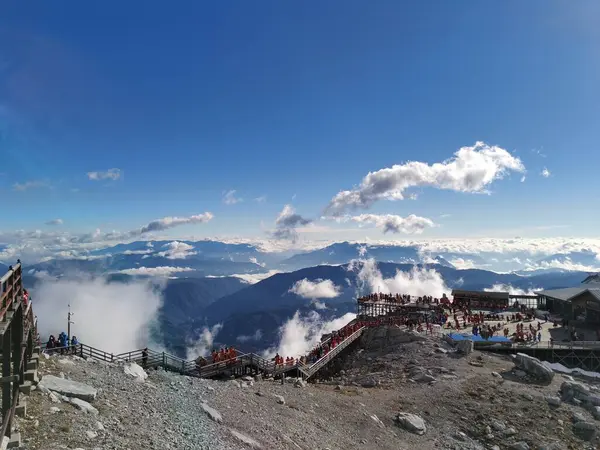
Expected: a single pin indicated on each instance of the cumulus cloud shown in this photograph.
(161, 271)
(110, 316)
(257, 336)
(287, 222)
(177, 250)
(315, 289)
(545, 172)
(30, 185)
(300, 334)
(110, 174)
(472, 169)
(55, 222)
(417, 282)
(499, 287)
(229, 197)
(391, 223)
(203, 345)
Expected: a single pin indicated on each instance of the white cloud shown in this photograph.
(287, 222)
(253, 260)
(417, 282)
(203, 345)
(511, 289)
(261, 199)
(55, 222)
(545, 173)
(177, 250)
(161, 271)
(523, 178)
(138, 252)
(563, 264)
(110, 316)
(300, 334)
(110, 174)
(229, 197)
(30, 185)
(170, 222)
(391, 223)
(462, 264)
(253, 278)
(472, 169)
(315, 289)
(257, 336)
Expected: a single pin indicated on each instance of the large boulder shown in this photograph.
(69, 388)
(411, 422)
(533, 366)
(135, 371)
(465, 347)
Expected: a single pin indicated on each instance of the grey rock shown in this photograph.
(553, 400)
(586, 430)
(245, 439)
(519, 446)
(464, 347)
(280, 399)
(212, 413)
(83, 406)
(69, 388)
(533, 366)
(411, 422)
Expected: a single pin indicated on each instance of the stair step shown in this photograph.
(25, 388)
(21, 409)
(32, 364)
(15, 440)
(32, 375)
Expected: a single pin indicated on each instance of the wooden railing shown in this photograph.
(18, 338)
(154, 359)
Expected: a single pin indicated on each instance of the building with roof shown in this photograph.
(573, 302)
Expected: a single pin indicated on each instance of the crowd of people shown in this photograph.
(63, 344)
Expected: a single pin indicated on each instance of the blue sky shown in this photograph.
(296, 102)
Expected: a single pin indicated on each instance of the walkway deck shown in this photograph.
(244, 364)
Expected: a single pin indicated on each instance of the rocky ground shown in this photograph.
(398, 391)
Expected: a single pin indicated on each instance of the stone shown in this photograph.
(54, 409)
(411, 422)
(53, 397)
(585, 430)
(91, 434)
(300, 383)
(577, 416)
(83, 406)
(533, 366)
(245, 439)
(519, 446)
(595, 410)
(99, 426)
(553, 400)
(464, 347)
(212, 413)
(69, 388)
(497, 425)
(509, 432)
(135, 371)
(280, 399)
(527, 396)
(496, 374)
